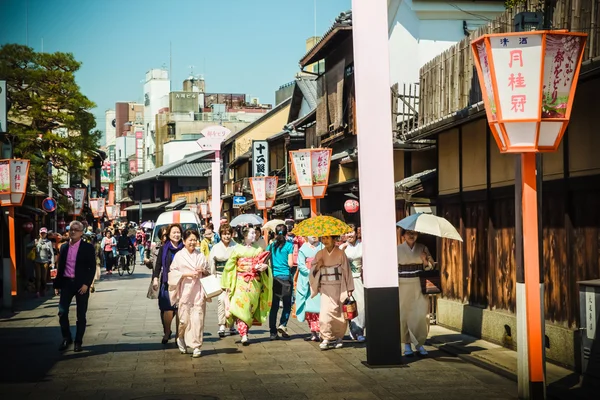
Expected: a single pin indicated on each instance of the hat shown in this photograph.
(43, 230)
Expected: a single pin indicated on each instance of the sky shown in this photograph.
(240, 46)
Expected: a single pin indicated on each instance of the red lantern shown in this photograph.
(351, 206)
(61, 224)
(28, 227)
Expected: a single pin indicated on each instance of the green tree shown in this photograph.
(49, 118)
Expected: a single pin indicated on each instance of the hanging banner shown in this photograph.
(101, 207)
(260, 158)
(204, 210)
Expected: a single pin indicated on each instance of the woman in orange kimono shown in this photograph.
(185, 290)
(332, 278)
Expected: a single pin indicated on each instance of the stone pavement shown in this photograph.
(124, 359)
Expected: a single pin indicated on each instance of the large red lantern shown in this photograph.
(351, 206)
(28, 227)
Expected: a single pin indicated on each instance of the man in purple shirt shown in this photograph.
(76, 271)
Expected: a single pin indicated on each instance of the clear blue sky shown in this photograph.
(241, 46)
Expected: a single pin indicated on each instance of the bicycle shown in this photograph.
(123, 264)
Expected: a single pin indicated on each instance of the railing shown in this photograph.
(449, 82)
(405, 108)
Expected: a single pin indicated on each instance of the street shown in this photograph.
(123, 358)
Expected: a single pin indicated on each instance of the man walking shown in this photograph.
(76, 270)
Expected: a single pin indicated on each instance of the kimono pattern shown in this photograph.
(250, 292)
(304, 302)
(188, 294)
(333, 292)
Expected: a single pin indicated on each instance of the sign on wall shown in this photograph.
(260, 158)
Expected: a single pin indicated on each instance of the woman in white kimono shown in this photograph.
(353, 249)
(185, 290)
(413, 257)
(219, 254)
(331, 277)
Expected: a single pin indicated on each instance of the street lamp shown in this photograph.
(528, 82)
(14, 174)
(264, 192)
(311, 168)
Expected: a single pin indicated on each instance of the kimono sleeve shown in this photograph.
(347, 272)
(314, 276)
(175, 272)
(302, 262)
(212, 268)
(228, 279)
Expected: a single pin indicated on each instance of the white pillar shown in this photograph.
(216, 191)
(376, 180)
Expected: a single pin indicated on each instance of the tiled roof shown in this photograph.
(308, 87)
(162, 171)
(189, 170)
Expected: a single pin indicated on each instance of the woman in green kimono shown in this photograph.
(248, 283)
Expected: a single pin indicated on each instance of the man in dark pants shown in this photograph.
(76, 271)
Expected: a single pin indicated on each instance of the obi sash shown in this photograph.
(331, 274)
(246, 268)
(220, 265)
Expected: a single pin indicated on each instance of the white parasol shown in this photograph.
(430, 224)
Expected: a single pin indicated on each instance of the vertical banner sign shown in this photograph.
(78, 199)
(260, 158)
(139, 152)
(3, 120)
(94, 207)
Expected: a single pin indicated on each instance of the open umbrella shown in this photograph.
(246, 219)
(430, 224)
(321, 225)
(272, 224)
(148, 225)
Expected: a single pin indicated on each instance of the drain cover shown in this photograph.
(142, 334)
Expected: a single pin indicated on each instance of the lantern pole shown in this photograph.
(10, 285)
(313, 207)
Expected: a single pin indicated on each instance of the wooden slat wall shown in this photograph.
(448, 83)
(481, 271)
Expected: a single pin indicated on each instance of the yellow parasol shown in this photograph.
(321, 226)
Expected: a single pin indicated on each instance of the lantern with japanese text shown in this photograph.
(528, 81)
(311, 169)
(27, 227)
(14, 174)
(351, 206)
(264, 191)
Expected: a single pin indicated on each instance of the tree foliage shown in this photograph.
(49, 118)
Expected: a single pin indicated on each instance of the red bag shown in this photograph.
(350, 309)
(53, 273)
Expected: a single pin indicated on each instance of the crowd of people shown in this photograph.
(261, 282)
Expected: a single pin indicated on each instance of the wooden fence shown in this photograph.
(449, 82)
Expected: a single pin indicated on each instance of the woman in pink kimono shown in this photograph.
(332, 278)
(185, 290)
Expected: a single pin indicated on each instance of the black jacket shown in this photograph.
(85, 265)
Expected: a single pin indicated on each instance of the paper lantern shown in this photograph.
(311, 168)
(528, 81)
(28, 227)
(351, 206)
(264, 191)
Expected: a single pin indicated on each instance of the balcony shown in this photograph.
(242, 186)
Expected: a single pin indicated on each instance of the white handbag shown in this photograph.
(211, 286)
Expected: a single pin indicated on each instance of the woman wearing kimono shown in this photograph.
(353, 249)
(185, 290)
(248, 283)
(307, 308)
(413, 257)
(217, 259)
(331, 277)
(160, 277)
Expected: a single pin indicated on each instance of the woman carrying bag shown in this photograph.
(281, 263)
(188, 267)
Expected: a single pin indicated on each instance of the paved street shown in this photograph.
(124, 359)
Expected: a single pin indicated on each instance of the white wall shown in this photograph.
(176, 150)
(420, 30)
(125, 145)
(157, 88)
(110, 131)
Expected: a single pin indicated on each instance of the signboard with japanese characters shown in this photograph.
(101, 207)
(528, 82)
(75, 198)
(260, 158)
(212, 137)
(13, 181)
(204, 210)
(264, 191)
(301, 161)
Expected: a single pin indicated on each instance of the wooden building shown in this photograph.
(476, 193)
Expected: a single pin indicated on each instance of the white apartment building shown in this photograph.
(156, 97)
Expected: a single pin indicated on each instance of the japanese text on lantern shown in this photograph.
(259, 189)
(18, 174)
(302, 167)
(320, 166)
(270, 188)
(516, 79)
